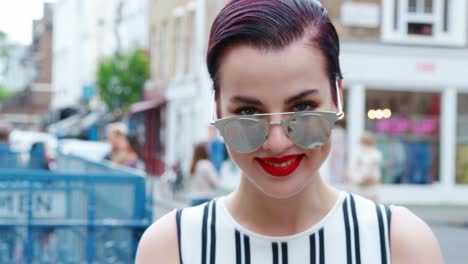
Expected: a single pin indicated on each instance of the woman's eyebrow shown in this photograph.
(245, 100)
(300, 96)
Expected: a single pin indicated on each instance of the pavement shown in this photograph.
(450, 226)
(452, 215)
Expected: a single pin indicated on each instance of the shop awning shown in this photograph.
(147, 105)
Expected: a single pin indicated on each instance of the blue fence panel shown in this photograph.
(11, 161)
(49, 217)
(66, 163)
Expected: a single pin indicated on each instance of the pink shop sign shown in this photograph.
(398, 126)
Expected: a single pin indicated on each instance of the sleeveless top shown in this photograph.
(354, 231)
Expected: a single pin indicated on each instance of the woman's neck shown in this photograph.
(266, 215)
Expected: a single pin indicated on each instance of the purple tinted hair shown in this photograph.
(273, 25)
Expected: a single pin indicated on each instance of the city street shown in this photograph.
(453, 241)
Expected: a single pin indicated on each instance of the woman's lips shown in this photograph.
(280, 166)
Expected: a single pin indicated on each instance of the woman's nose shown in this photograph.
(277, 140)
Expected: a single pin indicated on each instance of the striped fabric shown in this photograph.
(355, 231)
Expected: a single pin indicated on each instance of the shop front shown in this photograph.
(415, 101)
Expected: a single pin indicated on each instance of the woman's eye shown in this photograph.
(305, 106)
(246, 111)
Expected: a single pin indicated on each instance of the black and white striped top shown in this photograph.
(355, 231)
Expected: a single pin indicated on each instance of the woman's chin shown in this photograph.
(283, 191)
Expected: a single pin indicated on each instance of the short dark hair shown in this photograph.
(273, 25)
(200, 152)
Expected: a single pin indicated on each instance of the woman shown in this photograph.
(203, 182)
(134, 157)
(277, 82)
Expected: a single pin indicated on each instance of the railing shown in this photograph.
(94, 215)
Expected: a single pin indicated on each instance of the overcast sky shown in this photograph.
(16, 18)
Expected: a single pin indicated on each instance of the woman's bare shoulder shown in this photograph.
(412, 240)
(159, 242)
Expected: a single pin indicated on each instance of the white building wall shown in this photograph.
(66, 49)
(134, 29)
(83, 34)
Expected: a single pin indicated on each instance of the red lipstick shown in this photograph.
(280, 166)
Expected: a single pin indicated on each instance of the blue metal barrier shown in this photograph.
(95, 215)
(10, 160)
(65, 163)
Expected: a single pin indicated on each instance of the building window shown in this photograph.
(462, 140)
(406, 125)
(424, 22)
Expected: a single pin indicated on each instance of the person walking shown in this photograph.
(277, 93)
(116, 134)
(133, 157)
(365, 175)
(204, 182)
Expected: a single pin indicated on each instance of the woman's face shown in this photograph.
(293, 79)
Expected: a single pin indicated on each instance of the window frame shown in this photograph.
(445, 19)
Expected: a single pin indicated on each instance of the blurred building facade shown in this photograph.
(19, 70)
(41, 47)
(404, 77)
(26, 107)
(403, 74)
(178, 36)
(29, 73)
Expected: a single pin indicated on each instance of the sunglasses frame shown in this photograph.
(330, 117)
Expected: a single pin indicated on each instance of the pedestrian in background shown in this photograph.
(204, 182)
(116, 135)
(365, 175)
(133, 157)
(38, 159)
(278, 93)
(5, 130)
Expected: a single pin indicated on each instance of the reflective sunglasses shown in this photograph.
(307, 129)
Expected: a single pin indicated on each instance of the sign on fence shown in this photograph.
(46, 205)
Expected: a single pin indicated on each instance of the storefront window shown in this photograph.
(462, 140)
(406, 125)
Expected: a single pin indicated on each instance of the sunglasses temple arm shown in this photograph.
(338, 99)
(213, 116)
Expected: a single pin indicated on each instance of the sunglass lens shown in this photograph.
(244, 134)
(309, 131)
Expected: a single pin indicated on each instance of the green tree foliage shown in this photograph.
(120, 79)
(5, 93)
